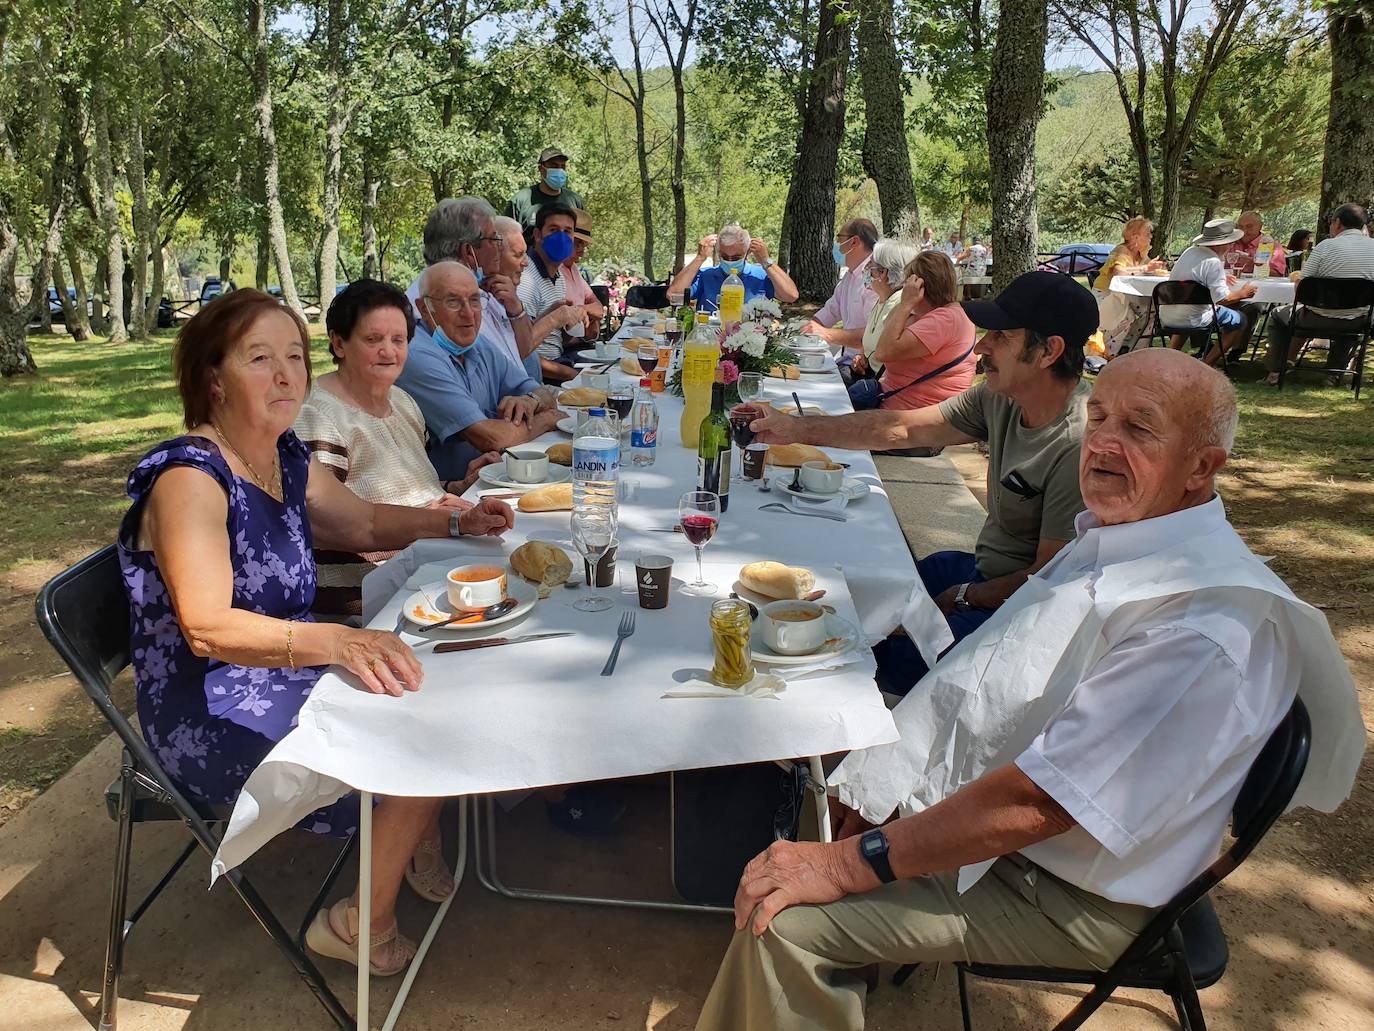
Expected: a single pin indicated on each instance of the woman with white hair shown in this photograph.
(884, 277)
(763, 277)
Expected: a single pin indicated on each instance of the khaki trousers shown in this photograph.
(802, 973)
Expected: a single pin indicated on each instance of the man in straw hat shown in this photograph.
(1202, 263)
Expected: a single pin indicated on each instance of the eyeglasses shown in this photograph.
(453, 302)
(500, 241)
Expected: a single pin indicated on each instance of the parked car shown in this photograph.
(55, 303)
(1079, 259)
(213, 287)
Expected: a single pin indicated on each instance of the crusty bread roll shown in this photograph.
(560, 454)
(631, 367)
(791, 456)
(785, 372)
(582, 397)
(540, 562)
(556, 497)
(775, 580)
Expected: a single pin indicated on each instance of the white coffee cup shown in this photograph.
(816, 478)
(597, 381)
(475, 587)
(607, 349)
(793, 627)
(527, 467)
(811, 361)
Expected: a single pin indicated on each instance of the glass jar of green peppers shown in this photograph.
(730, 625)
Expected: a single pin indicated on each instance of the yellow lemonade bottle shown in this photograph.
(731, 301)
(700, 353)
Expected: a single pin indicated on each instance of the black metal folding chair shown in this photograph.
(647, 295)
(1183, 948)
(84, 612)
(1336, 294)
(1185, 291)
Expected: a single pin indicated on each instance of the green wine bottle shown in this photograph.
(713, 448)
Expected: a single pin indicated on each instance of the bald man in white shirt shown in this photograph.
(1112, 784)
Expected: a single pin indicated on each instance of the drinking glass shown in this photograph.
(742, 418)
(750, 386)
(593, 533)
(648, 357)
(699, 514)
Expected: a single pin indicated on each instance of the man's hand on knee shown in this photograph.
(793, 873)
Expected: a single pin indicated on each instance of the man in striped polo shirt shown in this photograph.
(542, 286)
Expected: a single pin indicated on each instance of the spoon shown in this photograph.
(797, 401)
(510, 454)
(490, 612)
(753, 609)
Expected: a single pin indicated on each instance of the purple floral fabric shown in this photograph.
(211, 722)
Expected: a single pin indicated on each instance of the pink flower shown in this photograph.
(729, 372)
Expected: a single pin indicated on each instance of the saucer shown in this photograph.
(430, 604)
(842, 637)
(850, 488)
(495, 476)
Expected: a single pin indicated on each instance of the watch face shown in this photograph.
(872, 845)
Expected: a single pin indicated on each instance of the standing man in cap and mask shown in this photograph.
(552, 188)
(1030, 413)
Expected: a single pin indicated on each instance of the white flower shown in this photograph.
(762, 306)
(748, 339)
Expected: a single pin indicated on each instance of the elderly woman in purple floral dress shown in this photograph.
(216, 555)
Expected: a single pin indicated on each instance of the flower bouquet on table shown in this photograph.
(752, 346)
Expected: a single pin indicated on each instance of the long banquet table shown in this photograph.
(1269, 290)
(536, 714)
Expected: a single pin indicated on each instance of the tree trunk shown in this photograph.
(262, 268)
(144, 232)
(646, 207)
(885, 154)
(81, 328)
(226, 260)
(100, 321)
(336, 125)
(267, 138)
(59, 282)
(109, 219)
(368, 222)
(811, 197)
(679, 184)
(1348, 163)
(1016, 90)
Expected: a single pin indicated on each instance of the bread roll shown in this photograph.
(785, 372)
(556, 497)
(539, 562)
(777, 581)
(560, 454)
(792, 456)
(582, 397)
(631, 367)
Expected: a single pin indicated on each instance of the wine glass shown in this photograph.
(699, 514)
(750, 386)
(593, 533)
(742, 418)
(648, 357)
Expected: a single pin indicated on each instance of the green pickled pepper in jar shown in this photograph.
(730, 625)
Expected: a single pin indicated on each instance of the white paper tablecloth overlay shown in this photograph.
(525, 715)
(1270, 290)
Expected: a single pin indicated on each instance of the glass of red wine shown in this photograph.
(648, 357)
(699, 514)
(621, 402)
(742, 418)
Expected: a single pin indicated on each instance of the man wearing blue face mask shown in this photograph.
(543, 287)
(841, 321)
(734, 247)
(474, 399)
(552, 188)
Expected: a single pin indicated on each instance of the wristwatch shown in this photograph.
(769, 263)
(961, 598)
(454, 530)
(873, 847)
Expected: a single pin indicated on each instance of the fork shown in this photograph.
(627, 627)
(774, 506)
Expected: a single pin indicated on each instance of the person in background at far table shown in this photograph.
(1299, 246)
(1067, 771)
(841, 321)
(926, 348)
(544, 286)
(954, 246)
(579, 283)
(973, 262)
(765, 279)
(552, 188)
(1347, 253)
(216, 556)
(1029, 411)
(473, 399)
(1240, 260)
(514, 261)
(370, 433)
(1201, 263)
(884, 274)
(1124, 319)
(927, 239)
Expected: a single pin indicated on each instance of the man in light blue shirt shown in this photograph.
(474, 399)
(765, 279)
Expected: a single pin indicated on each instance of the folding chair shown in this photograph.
(1324, 292)
(1185, 291)
(1183, 948)
(84, 612)
(647, 295)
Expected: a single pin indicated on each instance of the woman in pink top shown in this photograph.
(925, 331)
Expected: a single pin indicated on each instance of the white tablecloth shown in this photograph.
(1271, 290)
(533, 714)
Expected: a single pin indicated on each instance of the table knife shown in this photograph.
(494, 642)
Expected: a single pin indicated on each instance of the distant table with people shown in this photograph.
(1270, 290)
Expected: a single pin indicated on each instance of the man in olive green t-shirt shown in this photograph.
(1030, 412)
(552, 188)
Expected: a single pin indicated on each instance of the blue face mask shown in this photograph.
(837, 254)
(443, 339)
(558, 246)
(557, 178)
(868, 279)
(736, 266)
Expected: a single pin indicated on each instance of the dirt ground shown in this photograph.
(1299, 915)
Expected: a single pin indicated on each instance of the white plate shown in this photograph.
(567, 425)
(843, 636)
(590, 355)
(420, 612)
(851, 488)
(495, 475)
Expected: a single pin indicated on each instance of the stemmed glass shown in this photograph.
(749, 385)
(742, 418)
(699, 514)
(593, 533)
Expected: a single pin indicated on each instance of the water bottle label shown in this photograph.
(644, 438)
(596, 463)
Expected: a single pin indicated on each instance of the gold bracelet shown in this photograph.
(290, 654)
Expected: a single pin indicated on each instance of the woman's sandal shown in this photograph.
(334, 933)
(435, 882)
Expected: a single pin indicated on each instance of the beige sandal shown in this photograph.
(435, 882)
(334, 933)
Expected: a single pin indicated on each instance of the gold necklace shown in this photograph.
(275, 488)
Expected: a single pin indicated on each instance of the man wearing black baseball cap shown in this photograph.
(1029, 411)
(552, 188)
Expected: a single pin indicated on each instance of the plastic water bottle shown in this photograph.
(596, 460)
(644, 426)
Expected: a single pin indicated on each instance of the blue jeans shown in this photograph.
(899, 660)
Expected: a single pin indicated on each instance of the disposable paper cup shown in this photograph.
(653, 577)
(755, 459)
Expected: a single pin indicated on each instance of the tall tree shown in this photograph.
(267, 148)
(109, 213)
(1348, 163)
(886, 157)
(810, 213)
(675, 22)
